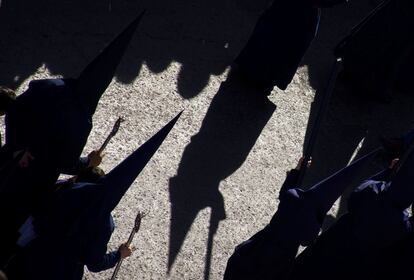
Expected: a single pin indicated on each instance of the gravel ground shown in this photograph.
(214, 181)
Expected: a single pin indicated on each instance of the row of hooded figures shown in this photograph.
(71, 219)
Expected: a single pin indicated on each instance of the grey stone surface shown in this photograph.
(214, 182)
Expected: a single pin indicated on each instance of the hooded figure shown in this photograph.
(53, 118)
(73, 228)
(51, 121)
(270, 253)
(377, 219)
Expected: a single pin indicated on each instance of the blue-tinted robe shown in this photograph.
(349, 249)
(68, 237)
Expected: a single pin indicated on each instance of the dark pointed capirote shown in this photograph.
(119, 179)
(96, 77)
(325, 193)
(92, 201)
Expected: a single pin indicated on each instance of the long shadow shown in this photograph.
(63, 36)
(234, 121)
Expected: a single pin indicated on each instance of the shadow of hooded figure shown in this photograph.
(234, 121)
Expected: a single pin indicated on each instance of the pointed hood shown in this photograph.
(324, 194)
(117, 182)
(79, 209)
(96, 77)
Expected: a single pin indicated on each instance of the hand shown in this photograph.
(393, 163)
(300, 162)
(95, 158)
(25, 159)
(125, 251)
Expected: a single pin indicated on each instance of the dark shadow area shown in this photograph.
(203, 36)
(354, 121)
(234, 121)
(335, 24)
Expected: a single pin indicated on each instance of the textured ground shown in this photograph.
(214, 181)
